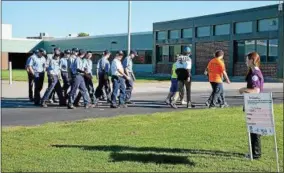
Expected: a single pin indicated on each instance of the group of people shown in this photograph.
(74, 67)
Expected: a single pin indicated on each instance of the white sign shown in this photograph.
(259, 113)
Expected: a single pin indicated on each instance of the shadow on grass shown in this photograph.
(150, 158)
(118, 148)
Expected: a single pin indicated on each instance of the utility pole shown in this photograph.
(129, 24)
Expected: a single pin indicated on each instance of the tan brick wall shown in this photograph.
(205, 51)
(268, 69)
(4, 61)
(164, 68)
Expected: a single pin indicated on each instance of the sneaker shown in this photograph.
(167, 102)
(207, 104)
(113, 106)
(123, 106)
(188, 106)
(183, 102)
(173, 105)
(77, 104)
(44, 104)
(94, 105)
(224, 105)
(71, 107)
(50, 101)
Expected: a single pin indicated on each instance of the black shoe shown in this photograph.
(113, 106)
(37, 104)
(62, 104)
(173, 105)
(129, 102)
(55, 101)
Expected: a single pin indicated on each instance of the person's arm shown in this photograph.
(29, 64)
(226, 77)
(125, 66)
(188, 68)
(248, 90)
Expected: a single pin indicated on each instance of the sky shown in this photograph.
(60, 18)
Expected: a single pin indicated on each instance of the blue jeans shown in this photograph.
(66, 82)
(216, 93)
(90, 87)
(78, 82)
(129, 87)
(118, 88)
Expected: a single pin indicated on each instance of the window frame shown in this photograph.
(235, 27)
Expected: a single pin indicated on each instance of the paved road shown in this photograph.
(148, 98)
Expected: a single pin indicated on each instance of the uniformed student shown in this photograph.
(88, 77)
(78, 82)
(118, 80)
(56, 52)
(128, 68)
(31, 77)
(255, 82)
(70, 62)
(53, 70)
(103, 70)
(174, 82)
(184, 77)
(64, 71)
(36, 66)
(216, 72)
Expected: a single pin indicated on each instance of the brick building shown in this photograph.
(236, 33)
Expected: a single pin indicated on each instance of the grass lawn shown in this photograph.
(21, 75)
(191, 140)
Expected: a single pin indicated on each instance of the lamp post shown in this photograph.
(129, 24)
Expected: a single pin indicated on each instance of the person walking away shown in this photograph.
(64, 72)
(255, 82)
(88, 77)
(78, 81)
(128, 69)
(174, 82)
(103, 69)
(36, 66)
(31, 76)
(53, 70)
(56, 52)
(216, 71)
(118, 80)
(183, 72)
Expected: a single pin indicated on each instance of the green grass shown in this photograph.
(21, 75)
(191, 140)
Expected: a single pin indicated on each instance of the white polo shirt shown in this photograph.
(115, 65)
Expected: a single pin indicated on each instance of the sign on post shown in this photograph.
(260, 117)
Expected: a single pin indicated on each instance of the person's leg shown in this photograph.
(114, 95)
(180, 85)
(91, 90)
(107, 90)
(52, 82)
(59, 92)
(99, 90)
(255, 145)
(217, 90)
(31, 85)
(74, 87)
(122, 90)
(66, 83)
(84, 91)
(37, 90)
(129, 88)
(207, 103)
(188, 94)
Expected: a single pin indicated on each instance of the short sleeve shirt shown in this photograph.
(216, 67)
(255, 79)
(128, 64)
(115, 65)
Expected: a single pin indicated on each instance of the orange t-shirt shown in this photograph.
(215, 70)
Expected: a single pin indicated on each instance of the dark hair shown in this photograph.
(219, 53)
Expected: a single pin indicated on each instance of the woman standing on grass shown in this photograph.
(255, 82)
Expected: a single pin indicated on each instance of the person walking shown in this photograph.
(78, 72)
(183, 72)
(31, 77)
(103, 70)
(118, 80)
(36, 66)
(64, 72)
(255, 82)
(53, 70)
(128, 69)
(174, 82)
(88, 77)
(216, 71)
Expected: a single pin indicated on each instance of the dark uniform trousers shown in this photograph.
(129, 87)
(256, 145)
(104, 84)
(38, 78)
(31, 85)
(55, 86)
(118, 88)
(66, 83)
(90, 87)
(78, 82)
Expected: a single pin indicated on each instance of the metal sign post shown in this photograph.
(10, 73)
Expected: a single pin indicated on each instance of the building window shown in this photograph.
(174, 34)
(148, 56)
(272, 50)
(261, 49)
(162, 53)
(144, 57)
(222, 29)
(203, 31)
(243, 27)
(267, 24)
(174, 50)
(187, 33)
(161, 35)
(242, 48)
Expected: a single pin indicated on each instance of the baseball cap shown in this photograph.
(186, 49)
(75, 50)
(56, 48)
(82, 51)
(67, 51)
(41, 50)
(88, 52)
(120, 53)
(106, 52)
(133, 52)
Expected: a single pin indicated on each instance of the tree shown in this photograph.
(83, 34)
